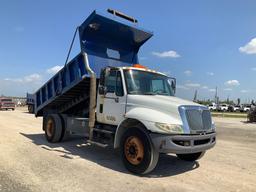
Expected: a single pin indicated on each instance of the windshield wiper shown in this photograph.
(162, 94)
(149, 93)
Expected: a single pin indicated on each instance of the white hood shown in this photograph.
(167, 105)
(159, 101)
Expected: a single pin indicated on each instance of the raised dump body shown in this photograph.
(104, 42)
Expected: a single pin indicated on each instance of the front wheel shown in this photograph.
(191, 156)
(138, 153)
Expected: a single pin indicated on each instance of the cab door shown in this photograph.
(111, 105)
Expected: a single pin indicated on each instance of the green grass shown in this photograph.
(228, 114)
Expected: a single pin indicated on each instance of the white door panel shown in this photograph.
(111, 107)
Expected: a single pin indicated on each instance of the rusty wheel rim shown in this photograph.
(49, 127)
(134, 150)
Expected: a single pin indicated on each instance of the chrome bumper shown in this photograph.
(183, 144)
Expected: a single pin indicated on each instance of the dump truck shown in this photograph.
(30, 102)
(105, 95)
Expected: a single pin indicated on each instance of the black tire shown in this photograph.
(150, 158)
(64, 134)
(31, 109)
(191, 156)
(53, 128)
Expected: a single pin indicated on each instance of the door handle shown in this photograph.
(117, 99)
(114, 98)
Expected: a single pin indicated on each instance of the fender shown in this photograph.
(145, 117)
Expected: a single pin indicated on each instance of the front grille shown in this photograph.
(198, 119)
(8, 105)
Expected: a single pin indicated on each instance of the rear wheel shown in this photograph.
(52, 128)
(191, 156)
(30, 108)
(138, 153)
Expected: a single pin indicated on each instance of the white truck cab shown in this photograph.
(143, 99)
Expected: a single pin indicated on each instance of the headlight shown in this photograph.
(213, 126)
(170, 128)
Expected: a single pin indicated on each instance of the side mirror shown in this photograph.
(102, 77)
(173, 84)
(103, 74)
(102, 90)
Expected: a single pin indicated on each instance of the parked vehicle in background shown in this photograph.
(245, 108)
(222, 107)
(212, 107)
(6, 103)
(252, 114)
(30, 103)
(234, 108)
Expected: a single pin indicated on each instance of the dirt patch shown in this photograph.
(29, 163)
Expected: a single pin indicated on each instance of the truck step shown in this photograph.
(97, 143)
(103, 131)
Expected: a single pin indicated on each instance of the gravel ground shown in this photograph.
(29, 163)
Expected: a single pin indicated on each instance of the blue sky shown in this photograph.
(203, 44)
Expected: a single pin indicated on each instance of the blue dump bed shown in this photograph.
(107, 42)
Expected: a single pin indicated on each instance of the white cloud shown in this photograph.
(188, 72)
(249, 48)
(245, 91)
(192, 85)
(210, 73)
(212, 90)
(204, 87)
(54, 69)
(232, 83)
(13, 79)
(182, 87)
(27, 79)
(227, 89)
(253, 69)
(32, 78)
(165, 54)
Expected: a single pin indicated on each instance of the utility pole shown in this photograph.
(228, 99)
(216, 95)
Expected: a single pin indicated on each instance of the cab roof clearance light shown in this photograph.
(139, 66)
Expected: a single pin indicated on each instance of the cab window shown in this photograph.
(119, 85)
(111, 81)
(114, 83)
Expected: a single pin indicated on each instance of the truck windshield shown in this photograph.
(148, 83)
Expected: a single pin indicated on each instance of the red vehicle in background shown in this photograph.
(6, 103)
